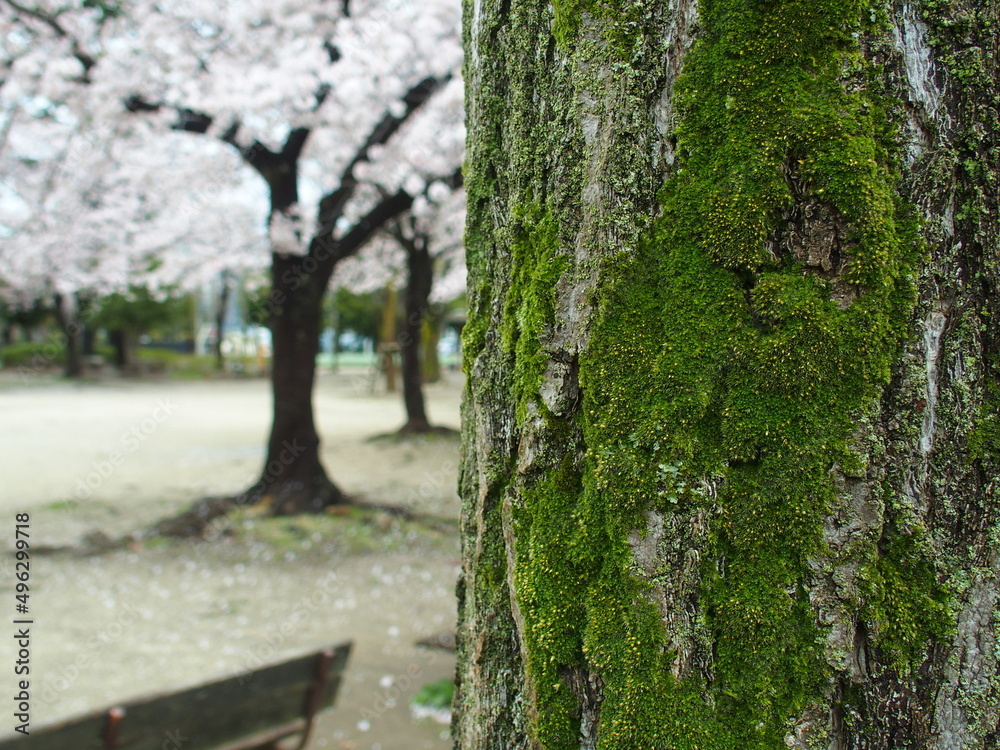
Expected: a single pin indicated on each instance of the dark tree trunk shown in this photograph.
(296, 308)
(220, 319)
(67, 319)
(731, 447)
(418, 289)
(120, 341)
(87, 341)
(294, 479)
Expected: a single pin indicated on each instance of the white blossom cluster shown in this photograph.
(96, 195)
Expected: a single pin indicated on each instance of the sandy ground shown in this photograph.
(116, 456)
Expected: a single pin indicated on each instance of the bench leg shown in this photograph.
(314, 696)
(111, 729)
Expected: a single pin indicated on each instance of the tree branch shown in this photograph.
(386, 210)
(191, 121)
(395, 230)
(389, 123)
(330, 252)
(138, 103)
(257, 155)
(48, 20)
(455, 180)
(331, 206)
(52, 21)
(332, 52)
(322, 92)
(294, 144)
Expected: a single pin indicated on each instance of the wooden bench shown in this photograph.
(253, 711)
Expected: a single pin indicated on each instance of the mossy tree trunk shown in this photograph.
(731, 451)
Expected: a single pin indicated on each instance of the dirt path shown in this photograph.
(115, 457)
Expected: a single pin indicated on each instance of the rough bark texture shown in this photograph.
(730, 455)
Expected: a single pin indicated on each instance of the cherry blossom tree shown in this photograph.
(424, 247)
(90, 217)
(284, 85)
(424, 243)
(92, 206)
(98, 219)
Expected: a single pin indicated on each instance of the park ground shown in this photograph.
(96, 462)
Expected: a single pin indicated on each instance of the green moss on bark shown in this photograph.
(722, 349)
(621, 20)
(530, 304)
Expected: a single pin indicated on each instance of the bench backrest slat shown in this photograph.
(205, 717)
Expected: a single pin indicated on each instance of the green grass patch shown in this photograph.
(436, 695)
(60, 505)
(350, 531)
(34, 356)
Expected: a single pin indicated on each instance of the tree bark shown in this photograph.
(294, 480)
(731, 443)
